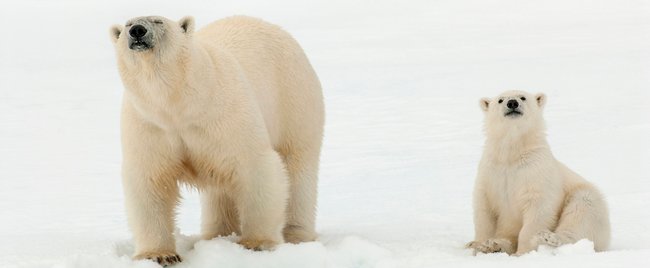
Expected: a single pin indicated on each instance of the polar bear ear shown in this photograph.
(187, 24)
(484, 103)
(115, 32)
(540, 98)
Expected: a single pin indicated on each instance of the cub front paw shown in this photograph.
(491, 246)
(473, 244)
(162, 258)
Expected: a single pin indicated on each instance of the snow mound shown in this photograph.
(349, 251)
(570, 255)
(583, 246)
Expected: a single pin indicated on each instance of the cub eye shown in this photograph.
(523, 98)
(157, 21)
(500, 100)
(128, 24)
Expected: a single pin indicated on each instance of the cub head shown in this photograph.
(151, 35)
(513, 112)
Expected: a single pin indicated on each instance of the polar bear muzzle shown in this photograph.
(140, 38)
(513, 109)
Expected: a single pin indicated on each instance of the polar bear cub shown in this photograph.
(234, 109)
(523, 196)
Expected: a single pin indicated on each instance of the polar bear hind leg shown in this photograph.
(584, 216)
(302, 166)
(261, 199)
(219, 215)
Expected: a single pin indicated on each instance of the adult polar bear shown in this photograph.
(523, 196)
(234, 109)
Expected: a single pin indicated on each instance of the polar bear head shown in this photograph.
(152, 36)
(513, 113)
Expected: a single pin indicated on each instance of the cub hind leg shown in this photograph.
(585, 215)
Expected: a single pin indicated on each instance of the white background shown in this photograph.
(401, 81)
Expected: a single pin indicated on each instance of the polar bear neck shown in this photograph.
(166, 91)
(153, 67)
(516, 147)
(158, 74)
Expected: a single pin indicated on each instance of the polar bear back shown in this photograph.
(285, 85)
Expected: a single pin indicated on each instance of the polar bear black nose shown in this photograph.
(512, 104)
(137, 31)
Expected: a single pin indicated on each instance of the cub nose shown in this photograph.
(137, 31)
(512, 104)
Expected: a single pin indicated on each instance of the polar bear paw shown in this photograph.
(548, 238)
(258, 245)
(296, 234)
(162, 258)
(491, 246)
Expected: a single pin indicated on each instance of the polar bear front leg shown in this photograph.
(536, 219)
(149, 174)
(262, 198)
(150, 203)
(485, 222)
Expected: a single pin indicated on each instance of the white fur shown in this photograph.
(234, 109)
(523, 196)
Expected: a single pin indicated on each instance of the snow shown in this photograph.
(403, 136)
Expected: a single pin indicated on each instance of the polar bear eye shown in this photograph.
(128, 24)
(157, 21)
(500, 100)
(523, 98)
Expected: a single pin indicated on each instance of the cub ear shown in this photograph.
(187, 24)
(484, 103)
(540, 98)
(115, 32)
